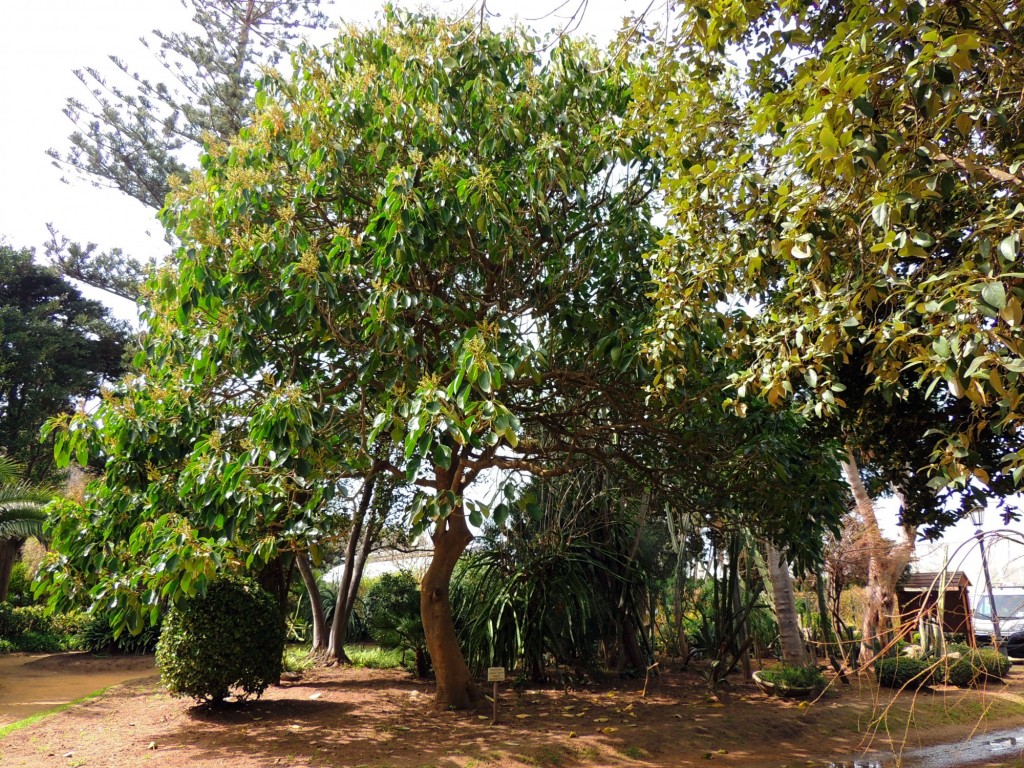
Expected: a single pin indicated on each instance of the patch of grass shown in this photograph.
(634, 753)
(374, 657)
(584, 753)
(32, 719)
(297, 659)
(547, 756)
(926, 712)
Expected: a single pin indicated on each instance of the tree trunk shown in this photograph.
(792, 641)
(886, 564)
(455, 686)
(316, 603)
(741, 627)
(276, 579)
(826, 628)
(356, 552)
(9, 549)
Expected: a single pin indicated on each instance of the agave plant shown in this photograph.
(21, 516)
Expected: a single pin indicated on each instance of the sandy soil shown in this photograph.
(33, 683)
(384, 719)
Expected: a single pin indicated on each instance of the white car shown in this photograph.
(1009, 606)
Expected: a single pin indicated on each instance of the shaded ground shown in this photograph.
(383, 719)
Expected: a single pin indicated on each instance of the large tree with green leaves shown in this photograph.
(133, 132)
(56, 349)
(853, 170)
(431, 236)
(859, 177)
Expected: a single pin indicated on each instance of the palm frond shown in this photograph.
(10, 470)
(21, 503)
(21, 519)
(24, 493)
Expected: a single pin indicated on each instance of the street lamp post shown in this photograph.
(976, 518)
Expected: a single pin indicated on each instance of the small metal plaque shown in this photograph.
(495, 674)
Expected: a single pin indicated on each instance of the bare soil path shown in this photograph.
(384, 719)
(31, 683)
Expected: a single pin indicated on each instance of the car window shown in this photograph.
(1007, 606)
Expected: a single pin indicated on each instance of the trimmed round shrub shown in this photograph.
(227, 640)
(904, 672)
(975, 667)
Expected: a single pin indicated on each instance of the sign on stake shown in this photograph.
(495, 675)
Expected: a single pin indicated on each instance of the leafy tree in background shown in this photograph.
(56, 348)
(861, 181)
(133, 133)
(392, 609)
(858, 180)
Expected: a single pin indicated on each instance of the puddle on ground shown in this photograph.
(33, 683)
(998, 745)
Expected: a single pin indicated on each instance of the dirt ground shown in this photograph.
(30, 683)
(384, 719)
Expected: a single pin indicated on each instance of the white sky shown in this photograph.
(42, 41)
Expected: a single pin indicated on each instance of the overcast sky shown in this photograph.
(42, 41)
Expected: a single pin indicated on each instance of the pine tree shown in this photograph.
(133, 133)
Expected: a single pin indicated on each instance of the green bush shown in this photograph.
(34, 618)
(786, 678)
(17, 620)
(559, 587)
(373, 657)
(975, 667)
(31, 630)
(6, 646)
(19, 590)
(904, 672)
(392, 610)
(227, 639)
(73, 624)
(97, 636)
(43, 642)
(11, 622)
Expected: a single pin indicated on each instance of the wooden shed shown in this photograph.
(920, 591)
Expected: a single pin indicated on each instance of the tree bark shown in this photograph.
(741, 627)
(276, 579)
(356, 552)
(455, 686)
(790, 638)
(826, 628)
(9, 549)
(316, 603)
(886, 564)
